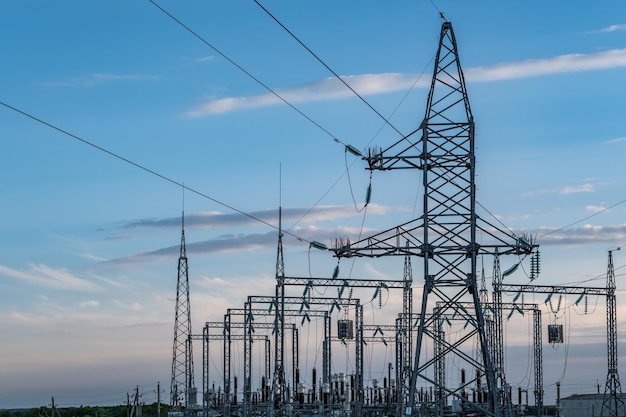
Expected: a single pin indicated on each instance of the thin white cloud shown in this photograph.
(327, 89)
(108, 281)
(616, 140)
(46, 276)
(584, 188)
(595, 209)
(376, 273)
(368, 84)
(222, 244)
(613, 28)
(568, 189)
(93, 257)
(239, 242)
(97, 79)
(89, 304)
(134, 306)
(205, 58)
(217, 219)
(586, 234)
(556, 65)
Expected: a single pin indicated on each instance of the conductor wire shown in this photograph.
(144, 168)
(242, 69)
(329, 68)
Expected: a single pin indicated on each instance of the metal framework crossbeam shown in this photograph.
(553, 289)
(340, 282)
(280, 300)
(612, 400)
(279, 304)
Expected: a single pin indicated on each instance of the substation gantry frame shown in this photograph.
(228, 325)
(210, 399)
(377, 335)
(305, 312)
(282, 281)
(612, 403)
(248, 328)
(248, 312)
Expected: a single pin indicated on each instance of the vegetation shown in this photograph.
(147, 410)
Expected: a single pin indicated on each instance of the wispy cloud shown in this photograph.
(556, 65)
(568, 189)
(586, 234)
(206, 58)
(134, 306)
(616, 140)
(584, 188)
(241, 242)
(97, 79)
(216, 219)
(89, 304)
(222, 244)
(326, 89)
(46, 276)
(613, 28)
(595, 209)
(369, 84)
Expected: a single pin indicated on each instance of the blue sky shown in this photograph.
(90, 247)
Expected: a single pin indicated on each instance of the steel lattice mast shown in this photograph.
(612, 402)
(406, 335)
(182, 356)
(278, 381)
(445, 235)
(497, 345)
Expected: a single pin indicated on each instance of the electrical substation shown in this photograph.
(455, 319)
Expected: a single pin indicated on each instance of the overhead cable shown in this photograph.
(584, 218)
(144, 168)
(328, 68)
(242, 69)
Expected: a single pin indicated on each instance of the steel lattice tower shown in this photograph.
(406, 334)
(182, 356)
(445, 236)
(278, 382)
(612, 402)
(497, 344)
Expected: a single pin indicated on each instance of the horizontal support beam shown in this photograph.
(340, 282)
(553, 289)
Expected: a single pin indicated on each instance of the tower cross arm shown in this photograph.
(400, 240)
(403, 154)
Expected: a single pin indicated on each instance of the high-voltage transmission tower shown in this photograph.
(182, 390)
(445, 236)
(612, 402)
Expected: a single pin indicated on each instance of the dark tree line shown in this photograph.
(147, 410)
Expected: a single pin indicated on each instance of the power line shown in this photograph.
(276, 95)
(222, 54)
(146, 169)
(242, 69)
(328, 68)
(585, 218)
